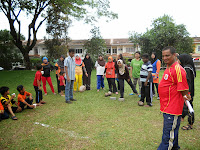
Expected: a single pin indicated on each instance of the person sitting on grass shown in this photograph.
(8, 102)
(24, 98)
(37, 85)
(62, 83)
(110, 75)
(3, 114)
(146, 79)
(123, 74)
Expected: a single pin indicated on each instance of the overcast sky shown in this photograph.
(134, 15)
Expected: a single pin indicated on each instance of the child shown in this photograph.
(24, 98)
(3, 114)
(100, 67)
(146, 79)
(62, 83)
(8, 101)
(110, 75)
(80, 67)
(47, 68)
(37, 85)
(123, 74)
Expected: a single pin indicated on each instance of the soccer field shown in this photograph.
(92, 122)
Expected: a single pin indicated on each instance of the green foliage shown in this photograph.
(8, 52)
(164, 32)
(96, 45)
(35, 61)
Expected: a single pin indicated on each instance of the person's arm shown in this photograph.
(148, 77)
(39, 84)
(131, 70)
(66, 72)
(11, 98)
(96, 64)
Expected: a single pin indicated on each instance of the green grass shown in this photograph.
(93, 122)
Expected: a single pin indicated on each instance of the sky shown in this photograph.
(133, 15)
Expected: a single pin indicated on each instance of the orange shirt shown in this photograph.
(1, 106)
(172, 83)
(21, 98)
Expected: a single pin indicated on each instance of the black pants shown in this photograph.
(58, 84)
(38, 94)
(153, 88)
(112, 85)
(121, 83)
(4, 116)
(186, 112)
(146, 92)
(87, 80)
(30, 102)
(118, 86)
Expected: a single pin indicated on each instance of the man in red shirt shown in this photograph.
(173, 91)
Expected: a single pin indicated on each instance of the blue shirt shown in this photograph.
(70, 64)
(145, 69)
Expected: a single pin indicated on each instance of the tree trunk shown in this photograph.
(27, 61)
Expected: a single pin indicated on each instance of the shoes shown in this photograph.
(139, 96)
(54, 93)
(69, 102)
(73, 100)
(158, 98)
(45, 94)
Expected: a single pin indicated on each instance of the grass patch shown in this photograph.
(93, 122)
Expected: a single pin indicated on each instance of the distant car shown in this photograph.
(1, 68)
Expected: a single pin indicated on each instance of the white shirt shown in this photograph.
(100, 69)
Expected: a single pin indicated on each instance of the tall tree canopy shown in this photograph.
(96, 45)
(164, 32)
(89, 10)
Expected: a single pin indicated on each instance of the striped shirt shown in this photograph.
(145, 69)
(70, 64)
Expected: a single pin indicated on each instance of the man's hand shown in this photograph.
(156, 76)
(13, 96)
(145, 84)
(30, 97)
(40, 88)
(187, 97)
(32, 106)
(128, 80)
(103, 76)
(68, 79)
(86, 74)
(1, 111)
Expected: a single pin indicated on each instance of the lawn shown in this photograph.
(93, 122)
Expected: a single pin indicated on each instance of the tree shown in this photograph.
(35, 9)
(8, 51)
(96, 45)
(164, 32)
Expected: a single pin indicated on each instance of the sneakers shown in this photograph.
(69, 102)
(158, 98)
(73, 100)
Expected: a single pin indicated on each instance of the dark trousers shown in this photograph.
(186, 112)
(4, 116)
(58, 84)
(121, 83)
(170, 132)
(146, 92)
(153, 88)
(38, 94)
(87, 80)
(118, 86)
(112, 85)
(22, 105)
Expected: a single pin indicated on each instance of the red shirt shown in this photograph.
(1, 106)
(172, 83)
(38, 76)
(21, 98)
(61, 78)
(110, 70)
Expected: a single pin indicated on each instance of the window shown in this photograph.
(198, 48)
(79, 51)
(114, 50)
(119, 49)
(130, 50)
(36, 51)
(108, 51)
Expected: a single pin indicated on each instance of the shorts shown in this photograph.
(62, 87)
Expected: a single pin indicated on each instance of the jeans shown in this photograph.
(38, 94)
(100, 81)
(135, 81)
(69, 90)
(170, 132)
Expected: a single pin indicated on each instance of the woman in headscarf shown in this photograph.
(80, 67)
(100, 68)
(186, 62)
(110, 75)
(59, 68)
(88, 65)
(123, 74)
(47, 68)
(156, 63)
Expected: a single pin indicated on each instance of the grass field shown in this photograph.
(93, 122)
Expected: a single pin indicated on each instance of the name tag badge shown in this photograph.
(166, 76)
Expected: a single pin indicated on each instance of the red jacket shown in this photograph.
(1, 106)
(110, 69)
